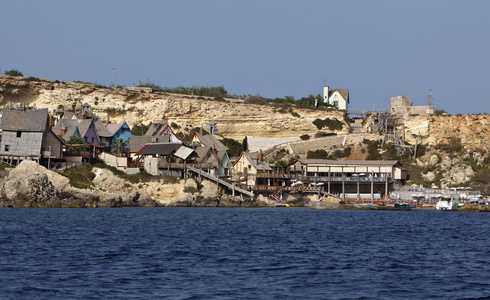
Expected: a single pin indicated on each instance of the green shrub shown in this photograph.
(140, 129)
(80, 177)
(254, 100)
(13, 73)
(305, 137)
(453, 145)
(441, 112)
(317, 154)
(332, 124)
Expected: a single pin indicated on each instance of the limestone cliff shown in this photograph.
(234, 119)
(473, 130)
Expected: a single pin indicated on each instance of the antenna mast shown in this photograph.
(430, 98)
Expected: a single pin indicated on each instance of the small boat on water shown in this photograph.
(401, 205)
(447, 203)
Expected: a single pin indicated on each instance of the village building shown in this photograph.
(350, 178)
(104, 134)
(166, 158)
(161, 127)
(108, 133)
(136, 143)
(211, 150)
(83, 128)
(403, 106)
(249, 166)
(336, 97)
(120, 130)
(26, 134)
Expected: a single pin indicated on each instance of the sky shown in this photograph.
(377, 49)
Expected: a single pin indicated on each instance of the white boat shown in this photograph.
(447, 203)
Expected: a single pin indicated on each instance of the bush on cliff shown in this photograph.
(332, 124)
(13, 73)
(80, 177)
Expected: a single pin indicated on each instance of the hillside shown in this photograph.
(234, 119)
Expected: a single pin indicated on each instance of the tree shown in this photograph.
(75, 140)
(14, 73)
(119, 146)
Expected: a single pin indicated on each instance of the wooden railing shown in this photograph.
(181, 166)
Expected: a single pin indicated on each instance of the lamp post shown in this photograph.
(112, 85)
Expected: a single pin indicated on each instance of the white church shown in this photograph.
(336, 97)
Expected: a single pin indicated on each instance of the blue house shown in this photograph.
(120, 131)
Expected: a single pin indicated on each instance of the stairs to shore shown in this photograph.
(231, 186)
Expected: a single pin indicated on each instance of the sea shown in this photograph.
(242, 253)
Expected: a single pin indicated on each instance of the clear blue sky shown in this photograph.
(376, 49)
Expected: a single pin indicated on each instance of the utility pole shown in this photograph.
(112, 84)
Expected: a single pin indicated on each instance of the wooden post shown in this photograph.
(343, 185)
(386, 185)
(328, 180)
(372, 186)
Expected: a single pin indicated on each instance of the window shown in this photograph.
(19, 134)
(7, 148)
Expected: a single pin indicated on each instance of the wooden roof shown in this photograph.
(24, 119)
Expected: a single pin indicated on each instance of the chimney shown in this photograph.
(260, 156)
(201, 131)
(50, 124)
(325, 94)
(63, 130)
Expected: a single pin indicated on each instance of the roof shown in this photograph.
(208, 155)
(160, 149)
(155, 128)
(24, 120)
(102, 129)
(71, 126)
(184, 152)
(348, 162)
(211, 141)
(258, 164)
(84, 125)
(113, 128)
(343, 92)
(138, 142)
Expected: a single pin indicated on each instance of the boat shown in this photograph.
(401, 205)
(447, 203)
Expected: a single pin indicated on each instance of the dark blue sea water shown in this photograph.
(283, 253)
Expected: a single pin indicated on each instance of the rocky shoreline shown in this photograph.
(32, 185)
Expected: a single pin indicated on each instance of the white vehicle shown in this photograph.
(296, 182)
(447, 203)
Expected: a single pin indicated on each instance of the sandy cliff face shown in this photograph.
(234, 119)
(473, 130)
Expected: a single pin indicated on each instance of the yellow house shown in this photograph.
(251, 163)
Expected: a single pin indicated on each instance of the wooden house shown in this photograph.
(251, 164)
(27, 135)
(159, 128)
(83, 128)
(211, 150)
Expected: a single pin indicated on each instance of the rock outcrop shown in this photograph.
(31, 185)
